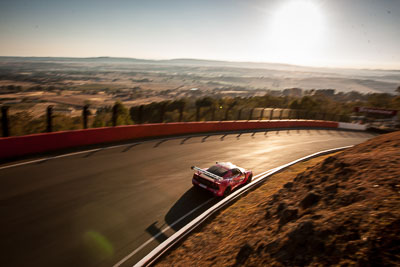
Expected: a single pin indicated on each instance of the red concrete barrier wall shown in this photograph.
(37, 143)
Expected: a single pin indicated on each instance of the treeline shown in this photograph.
(317, 106)
(209, 108)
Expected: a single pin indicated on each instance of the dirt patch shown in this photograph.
(342, 210)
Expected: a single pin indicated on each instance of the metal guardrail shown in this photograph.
(184, 231)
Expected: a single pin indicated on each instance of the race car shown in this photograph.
(222, 178)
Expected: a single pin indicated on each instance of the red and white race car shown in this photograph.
(222, 178)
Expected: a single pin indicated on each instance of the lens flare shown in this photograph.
(98, 245)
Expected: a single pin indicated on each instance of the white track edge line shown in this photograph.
(158, 234)
(170, 226)
(148, 259)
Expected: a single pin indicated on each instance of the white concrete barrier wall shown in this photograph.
(352, 126)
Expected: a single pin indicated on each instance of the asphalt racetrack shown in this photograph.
(112, 206)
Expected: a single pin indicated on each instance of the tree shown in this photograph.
(204, 102)
(308, 103)
(294, 104)
(101, 119)
(177, 106)
(123, 115)
(379, 100)
(228, 104)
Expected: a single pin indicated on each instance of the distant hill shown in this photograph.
(255, 74)
(190, 61)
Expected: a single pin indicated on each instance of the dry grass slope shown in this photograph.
(341, 210)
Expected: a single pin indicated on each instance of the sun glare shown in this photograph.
(295, 32)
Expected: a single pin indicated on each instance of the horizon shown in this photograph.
(311, 33)
(215, 60)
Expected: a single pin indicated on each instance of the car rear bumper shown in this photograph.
(216, 192)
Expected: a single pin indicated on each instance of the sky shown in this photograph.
(327, 33)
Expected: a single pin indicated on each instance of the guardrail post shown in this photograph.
(314, 115)
(49, 116)
(262, 114)
(271, 114)
(239, 114)
(4, 121)
(162, 112)
(85, 113)
(251, 114)
(181, 108)
(226, 113)
(114, 115)
(280, 114)
(140, 114)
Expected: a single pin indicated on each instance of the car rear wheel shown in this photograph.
(249, 179)
(227, 191)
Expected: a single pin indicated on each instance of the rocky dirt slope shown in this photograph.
(344, 210)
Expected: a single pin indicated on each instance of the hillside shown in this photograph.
(342, 211)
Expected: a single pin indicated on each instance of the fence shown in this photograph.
(160, 114)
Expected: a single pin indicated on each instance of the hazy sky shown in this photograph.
(355, 33)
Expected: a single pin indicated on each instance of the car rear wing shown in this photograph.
(212, 175)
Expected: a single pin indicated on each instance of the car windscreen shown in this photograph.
(217, 170)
